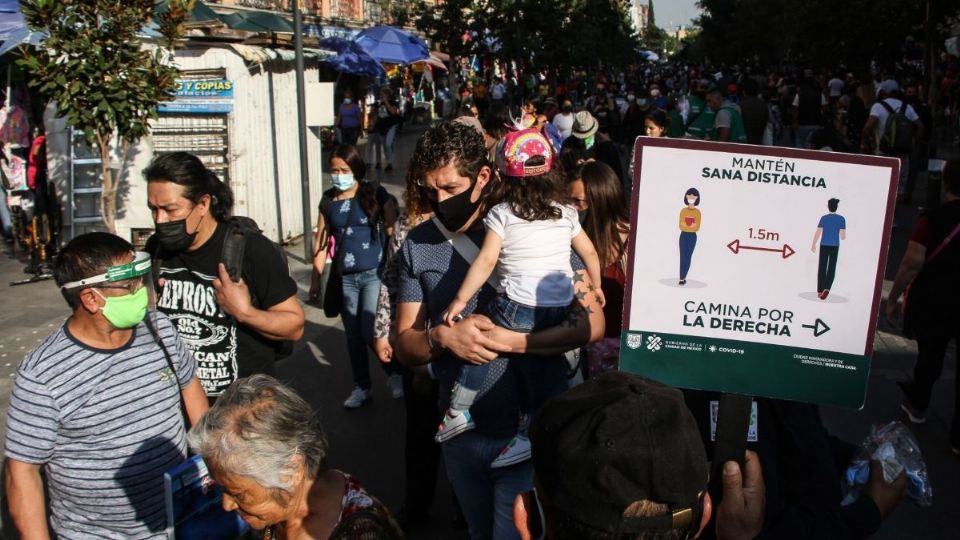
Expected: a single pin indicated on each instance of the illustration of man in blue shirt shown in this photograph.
(830, 231)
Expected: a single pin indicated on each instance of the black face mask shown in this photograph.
(582, 215)
(173, 235)
(454, 212)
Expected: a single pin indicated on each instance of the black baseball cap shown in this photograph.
(615, 440)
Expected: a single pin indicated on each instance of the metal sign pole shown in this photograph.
(302, 132)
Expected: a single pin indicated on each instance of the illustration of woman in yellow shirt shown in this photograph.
(689, 225)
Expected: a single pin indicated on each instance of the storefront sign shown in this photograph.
(756, 270)
(201, 96)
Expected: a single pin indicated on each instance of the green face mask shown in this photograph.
(126, 311)
(588, 142)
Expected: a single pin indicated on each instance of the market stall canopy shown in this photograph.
(650, 56)
(392, 45)
(11, 20)
(433, 62)
(23, 36)
(352, 59)
(257, 21)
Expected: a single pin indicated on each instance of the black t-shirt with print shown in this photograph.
(223, 349)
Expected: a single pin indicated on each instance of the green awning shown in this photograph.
(257, 21)
(201, 12)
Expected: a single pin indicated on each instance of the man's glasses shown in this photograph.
(130, 286)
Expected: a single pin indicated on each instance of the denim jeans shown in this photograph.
(376, 142)
(360, 290)
(519, 318)
(486, 495)
(803, 136)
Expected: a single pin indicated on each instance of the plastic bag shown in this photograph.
(895, 447)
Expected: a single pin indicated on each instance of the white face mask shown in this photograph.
(691, 200)
(631, 97)
(655, 92)
(347, 101)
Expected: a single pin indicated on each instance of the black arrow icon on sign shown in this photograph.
(819, 328)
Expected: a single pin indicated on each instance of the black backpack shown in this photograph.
(897, 136)
(238, 230)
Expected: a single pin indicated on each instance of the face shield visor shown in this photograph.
(129, 276)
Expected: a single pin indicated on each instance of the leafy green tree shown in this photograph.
(818, 32)
(447, 24)
(94, 67)
(540, 35)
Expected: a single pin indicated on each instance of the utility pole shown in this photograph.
(302, 135)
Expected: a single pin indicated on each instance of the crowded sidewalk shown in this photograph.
(368, 441)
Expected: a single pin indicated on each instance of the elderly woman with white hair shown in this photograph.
(265, 447)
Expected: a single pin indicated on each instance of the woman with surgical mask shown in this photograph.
(348, 119)
(355, 214)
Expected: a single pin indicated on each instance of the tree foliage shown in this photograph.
(94, 68)
(544, 35)
(819, 32)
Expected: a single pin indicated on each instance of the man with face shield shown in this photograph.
(100, 404)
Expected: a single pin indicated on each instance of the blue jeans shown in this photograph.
(486, 495)
(519, 318)
(360, 290)
(688, 241)
(377, 143)
(803, 136)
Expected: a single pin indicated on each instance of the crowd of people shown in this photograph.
(487, 296)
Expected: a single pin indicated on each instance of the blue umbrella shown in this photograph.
(391, 45)
(351, 58)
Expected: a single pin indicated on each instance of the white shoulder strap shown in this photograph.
(466, 248)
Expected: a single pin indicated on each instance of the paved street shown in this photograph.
(369, 442)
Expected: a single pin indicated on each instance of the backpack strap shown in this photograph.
(883, 103)
(235, 244)
(943, 245)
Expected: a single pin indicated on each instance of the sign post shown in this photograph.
(756, 270)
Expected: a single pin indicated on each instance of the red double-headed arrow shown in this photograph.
(784, 251)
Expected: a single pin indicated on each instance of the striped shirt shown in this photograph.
(105, 424)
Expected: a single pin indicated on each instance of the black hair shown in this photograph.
(187, 170)
(692, 191)
(86, 256)
(951, 176)
(573, 153)
(833, 204)
(750, 87)
(366, 192)
(353, 158)
(445, 143)
(660, 118)
(496, 120)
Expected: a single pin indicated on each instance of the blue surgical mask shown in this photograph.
(342, 182)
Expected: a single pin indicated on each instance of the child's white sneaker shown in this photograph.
(454, 423)
(517, 451)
